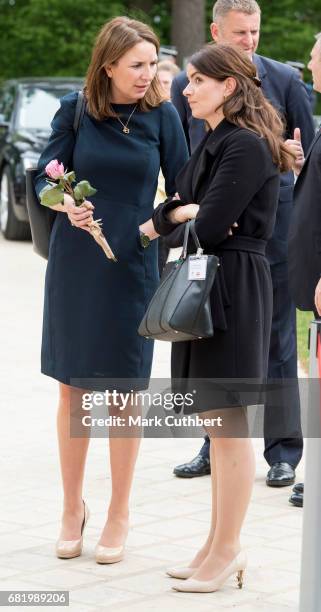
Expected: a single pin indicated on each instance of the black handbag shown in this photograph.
(180, 308)
(41, 217)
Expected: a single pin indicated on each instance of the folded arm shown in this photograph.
(241, 173)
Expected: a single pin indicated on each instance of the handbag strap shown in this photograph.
(79, 112)
(190, 229)
(195, 236)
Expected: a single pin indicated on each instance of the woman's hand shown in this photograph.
(148, 229)
(181, 214)
(79, 216)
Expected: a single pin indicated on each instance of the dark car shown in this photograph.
(26, 110)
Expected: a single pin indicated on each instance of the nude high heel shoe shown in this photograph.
(237, 566)
(181, 572)
(108, 554)
(68, 549)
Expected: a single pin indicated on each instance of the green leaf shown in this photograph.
(49, 196)
(70, 176)
(85, 188)
(78, 194)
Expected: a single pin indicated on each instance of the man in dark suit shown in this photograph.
(238, 22)
(305, 229)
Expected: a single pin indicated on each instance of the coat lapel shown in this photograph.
(257, 61)
(315, 139)
(194, 177)
(184, 179)
(206, 155)
(200, 166)
(313, 143)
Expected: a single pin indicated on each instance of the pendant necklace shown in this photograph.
(125, 125)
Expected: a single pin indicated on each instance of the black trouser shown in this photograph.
(283, 364)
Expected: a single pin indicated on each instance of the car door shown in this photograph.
(7, 98)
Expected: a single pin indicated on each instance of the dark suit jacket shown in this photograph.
(284, 89)
(305, 230)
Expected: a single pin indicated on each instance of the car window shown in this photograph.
(38, 106)
(7, 97)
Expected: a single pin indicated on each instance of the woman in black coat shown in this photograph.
(230, 186)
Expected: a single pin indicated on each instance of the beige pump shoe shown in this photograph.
(181, 572)
(68, 549)
(109, 554)
(237, 566)
(106, 554)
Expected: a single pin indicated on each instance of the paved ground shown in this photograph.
(169, 517)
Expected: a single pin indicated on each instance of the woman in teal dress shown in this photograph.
(93, 306)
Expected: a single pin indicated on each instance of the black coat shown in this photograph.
(283, 87)
(305, 230)
(232, 177)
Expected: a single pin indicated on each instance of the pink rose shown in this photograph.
(55, 170)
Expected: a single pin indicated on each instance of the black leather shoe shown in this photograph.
(281, 474)
(296, 499)
(199, 466)
(298, 488)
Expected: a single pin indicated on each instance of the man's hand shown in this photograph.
(296, 148)
(317, 297)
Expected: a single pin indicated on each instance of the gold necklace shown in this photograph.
(125, 125)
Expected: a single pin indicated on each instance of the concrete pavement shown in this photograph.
(169, 518)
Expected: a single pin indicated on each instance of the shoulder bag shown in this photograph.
(41, 217)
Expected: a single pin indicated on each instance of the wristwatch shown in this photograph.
(144, 240)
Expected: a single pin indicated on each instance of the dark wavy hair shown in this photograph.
(247, 106)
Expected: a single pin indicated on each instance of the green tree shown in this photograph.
(51, 37)
(156, 14)
(143, 5)
(55, 37)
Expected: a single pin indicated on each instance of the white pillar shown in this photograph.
(310, 595)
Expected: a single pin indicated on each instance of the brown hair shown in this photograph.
(246, 107)
(115, 38)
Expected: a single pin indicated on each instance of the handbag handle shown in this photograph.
(190, 228)
(79, 112)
